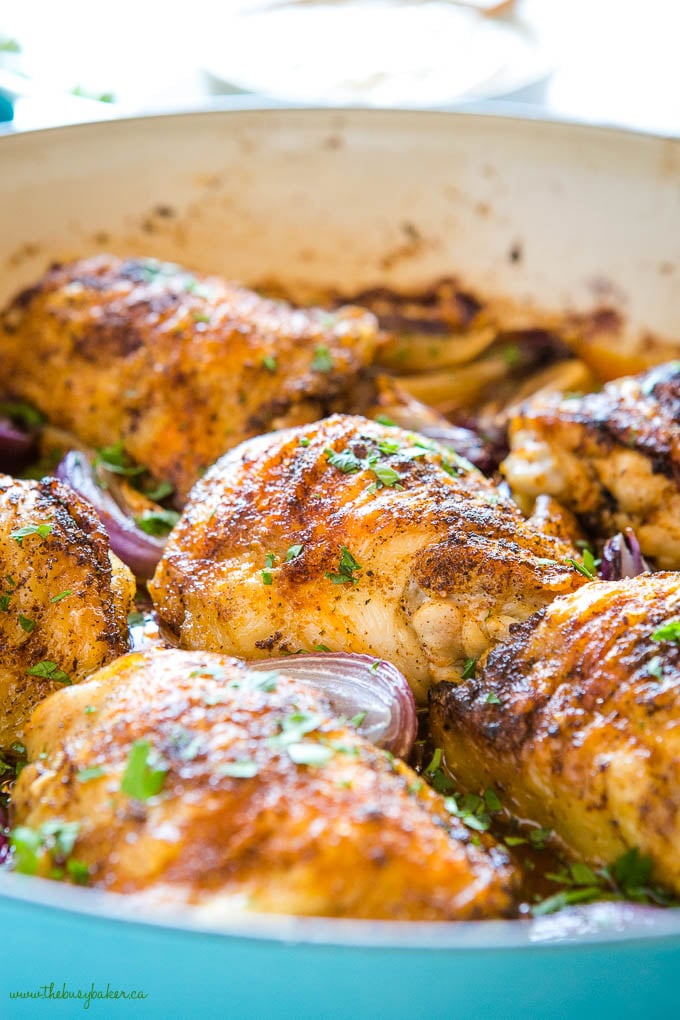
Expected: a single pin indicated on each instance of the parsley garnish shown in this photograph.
(321, 648)
(346, 568)
(438, 778)
(266, 576)
(270, 364)
(668, 632)
(384, 419)
(41, 530)
(308, 753)
(469, 669)
(293, 552)
(294, 727)
(157, 522)
(55, 838)
(48, 670)
(357, 719)
(86, 775)
(26, 624)
(116, 460)
(61, 595)
(322, 360)
(587, 567)
(475, 811)
(242, 768)
(22, 413)
(655, 667)
(344, 461)
(492, 699)
(270, 559)
(144, 774)
(158, 491)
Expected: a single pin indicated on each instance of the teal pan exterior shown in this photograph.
(336, 972)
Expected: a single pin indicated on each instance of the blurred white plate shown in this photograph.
(373, 53)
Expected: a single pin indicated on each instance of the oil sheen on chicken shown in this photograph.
(576, 722)
(350, 535)
(612, 457)
(177, 366)
(64, 598)
(254, 796)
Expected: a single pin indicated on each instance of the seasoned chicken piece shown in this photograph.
(177, 366)
(189, 778)
(612, 457)
(64, 598)
(576, 720)
(359, 537)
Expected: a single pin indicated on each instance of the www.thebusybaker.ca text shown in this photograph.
(52, 991)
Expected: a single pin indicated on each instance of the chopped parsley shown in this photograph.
(56, 839)
(156, 491)
(384, 419)
(270, 559)
(23, 414)
(270, 363)
(308, 753)
(587, 567)
(266, 577)
(293, 552)
(256, 681)
(4, 602)
(145, 773)
(135, 619)
(114, 459)
(655, 667)
(41, 530)
(469, 669)
(157, 522)
(668, 632)
(321, 648)
(322, 361)
(357, 719)
(344, 461)
(61, 595)
(48, 670)
(294, 727)
(492, 699)
(346, 568)
(26, 624)
(438, 777)
(86, 775)
(474, 811)
(242, 768)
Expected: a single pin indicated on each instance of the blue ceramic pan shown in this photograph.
(539, 218)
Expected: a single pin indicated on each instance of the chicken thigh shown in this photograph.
(183, 777)
(613, 458)
(177, 367)
(64, 598)
(576, 720)
(350, 535)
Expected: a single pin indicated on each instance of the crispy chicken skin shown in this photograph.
(178, 366)
(612, 457)
(576, 720)
(358, 836)
(282, 549)
(64, 598)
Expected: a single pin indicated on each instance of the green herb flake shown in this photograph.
(304, 441)
(346, 568)
(492, 699)
(48, 670)
(4, 603)
(270, 559)
(21, 413)
(293, 552)
(539, 838)
(308, 753)
(668, 632)
(344, 460)
(242, 768)
(135, 619)
(583, 568)
(357, 719)
(41, 530)
(321, 648)
(322, 361)
(469, 669)
(86, 775)
(655, 667)
(144, 774)
(266, 577)
(294, 727)
(384, 419)
(270, 364)
(156, 491)
(61, 595)
(114, 459)
(157, 522)
(78, 871)
(26, 624)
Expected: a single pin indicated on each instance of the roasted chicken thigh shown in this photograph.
(350, 535)
(64, 598)
(613, 458)
(576, 720)
(184, 777)
(176, 366)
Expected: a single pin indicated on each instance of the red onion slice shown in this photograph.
(16, 445)
(355, 684)
(622, 557)
(133, 546)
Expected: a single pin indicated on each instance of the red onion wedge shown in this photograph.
(355, 684)
(16, 445)
(622, 557)
(133, 546)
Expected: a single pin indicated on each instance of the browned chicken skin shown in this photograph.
(177, 366)
(235, 821)
(64, 598)
(576, 720)
(612, 457)
(354, 536)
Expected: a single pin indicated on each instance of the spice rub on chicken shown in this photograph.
(576, 721)
(182, 776)
(613, 458)
(177, 366)
(64, 598)
(348, 535)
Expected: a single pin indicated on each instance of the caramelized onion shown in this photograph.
(355, 684)
(133, 546)
(622, 557)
